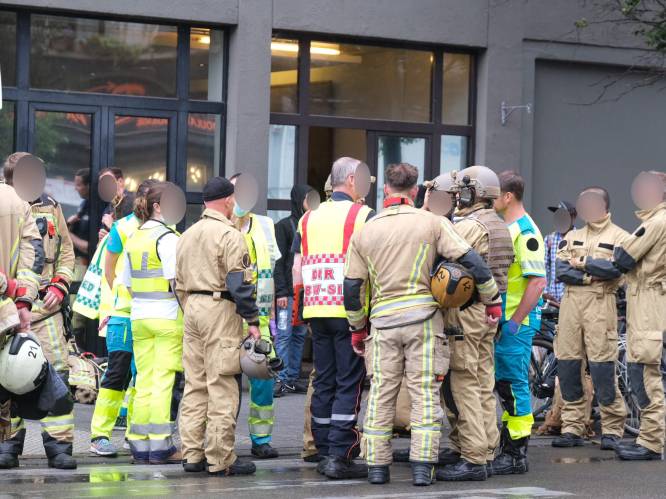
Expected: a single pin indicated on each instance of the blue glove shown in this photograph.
(510, 327)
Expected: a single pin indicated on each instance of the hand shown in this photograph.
(24, 319)
(282, 302)
(511, 328)
(107, 220)
(493, 314)
(577, 263)
(53, 298)
(254, 332)
(358, 341)
(72, 219)
(102, 234)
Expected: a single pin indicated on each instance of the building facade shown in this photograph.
(280, 88)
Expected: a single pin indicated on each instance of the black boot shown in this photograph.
(636, 452)
(568, 440)
(379, 475)
(195, 467)
(512, 459)
(423, 474)
(462, 471)
(11, 449)
(62, 461)
(610, 442)
(264, 451)
(8, 461)
(401, 455)
(58, 453)
(339, 468)
(448, 456)
(238, 468)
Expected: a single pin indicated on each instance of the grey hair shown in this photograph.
(342, 168)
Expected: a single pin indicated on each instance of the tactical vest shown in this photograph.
(500, 246)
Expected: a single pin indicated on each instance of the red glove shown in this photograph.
(56, 291)
(10, 285)
(358, 337)
(297, 309)
(494, 311)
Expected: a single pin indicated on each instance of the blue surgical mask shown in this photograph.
(240, 212)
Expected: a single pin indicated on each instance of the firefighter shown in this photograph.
(642, 256)
(259, 233)
(468, 389)
(407, 335)
(214, 287)
(320, 246)
(48, 321)
(521, 319)
(588, 321)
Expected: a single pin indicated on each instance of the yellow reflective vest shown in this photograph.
(262, 247)
(122, 301)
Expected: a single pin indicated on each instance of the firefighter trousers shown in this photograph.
(309, 447)
(419, 353)
(588, 330)
(468, 388)
(646, 316)
(211, 362)
(338, 386)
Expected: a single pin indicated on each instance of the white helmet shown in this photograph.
(255, 361)
(477, 182)
(23, 366)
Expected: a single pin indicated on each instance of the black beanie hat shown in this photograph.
(217, 188)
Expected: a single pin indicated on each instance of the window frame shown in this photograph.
(433, 130)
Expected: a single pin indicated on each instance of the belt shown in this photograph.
(218, 295)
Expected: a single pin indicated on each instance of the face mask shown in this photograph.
(240, 212)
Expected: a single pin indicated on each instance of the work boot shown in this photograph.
(448, 456)
(264, 451)
(339, 468)
(301, 386)
(636, 452)
(462, 471)
(379, 475)
(313, 458)
(195, 467)
(610, 442)
(423, 474)
(8, 461)
(568, 440)
(321, 466)
(278, 389)
(401, 455)
(62, 462)
(512, 458)
(238, 468)
(489, 469)
(175, 457)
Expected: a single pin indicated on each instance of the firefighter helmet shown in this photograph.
(451, 285)
(23, 366)
(255, 359)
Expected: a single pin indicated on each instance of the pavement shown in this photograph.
(581, 472)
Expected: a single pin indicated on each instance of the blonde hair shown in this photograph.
(143, 204)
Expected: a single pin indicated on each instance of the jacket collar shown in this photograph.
(644, 215)
(209, 213)
(599, 225)
(463, 212)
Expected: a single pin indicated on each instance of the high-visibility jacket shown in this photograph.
(325, 235)
(122, 300)
(147, 277)
(262, 247)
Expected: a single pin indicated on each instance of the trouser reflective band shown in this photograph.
(106, 412)
(51, 424)
(17, 424)
(518, 426)
(140, 429)
(261, 420)
(374, 432)
(343, 417)
(321, 420)
(386, 307)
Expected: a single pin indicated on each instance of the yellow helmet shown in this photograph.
(451, 285)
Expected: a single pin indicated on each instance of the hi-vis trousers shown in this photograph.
(419, 353)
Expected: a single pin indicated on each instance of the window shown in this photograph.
(6, 130)
(203, 149)
(8, 48)
(206, 59)
(380, 104)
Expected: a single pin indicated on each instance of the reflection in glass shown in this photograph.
(8, 48)
(455, 104)
(453, 153)
(140, 148)
(277, 215)
(63, 141)
(328, 144)
(281, 161)
(206, 64)
(93, 55)
(203, 149)
(393, 149)
(6, 130)
(370, 82)
(193, 214)
(284, 76)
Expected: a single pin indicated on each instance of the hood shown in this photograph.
(298, 193)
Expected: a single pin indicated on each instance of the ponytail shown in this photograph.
(146, 198)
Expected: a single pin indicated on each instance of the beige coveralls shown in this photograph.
(588, 325)
(644, 252)
(394, 254)
(208, 252)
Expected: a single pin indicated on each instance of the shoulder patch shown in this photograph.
(532, 244)
(639, 232)
(607, 246)
(563, 244)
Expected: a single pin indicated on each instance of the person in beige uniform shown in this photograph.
(468, 389)
(407, 334)
(214, 287)
(588, 321)
(47, 316)
(642, 256)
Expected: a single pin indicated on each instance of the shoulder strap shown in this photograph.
(350, 222)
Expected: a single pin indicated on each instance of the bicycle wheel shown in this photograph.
(633, 422)
(542, 372)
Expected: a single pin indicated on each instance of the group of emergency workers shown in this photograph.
(436, 305)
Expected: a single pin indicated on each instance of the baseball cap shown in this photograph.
(563, 205)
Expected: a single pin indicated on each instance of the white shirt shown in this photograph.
(143, 308)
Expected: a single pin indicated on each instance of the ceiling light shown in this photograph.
(204, 40)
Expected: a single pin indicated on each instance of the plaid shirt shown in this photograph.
(553, 287)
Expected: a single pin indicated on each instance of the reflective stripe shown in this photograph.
(55, 424)
(343, 417)
(261, 429)
(160, 444)
(154, 295)
(356, 315)
(261, 413)
(518, 426)
(162, 429)
(533, 265)
(321, 420)
(383, 308)
(146, 273)
(416, 268)
(436, 429)
(376, 432)
(17, 424)
(140, 429)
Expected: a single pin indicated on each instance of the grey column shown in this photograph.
(248, 95)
